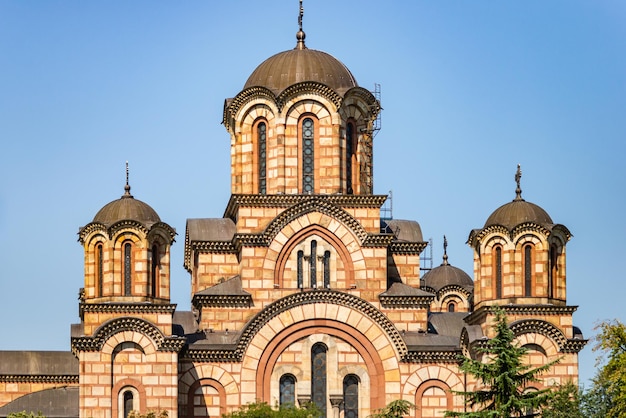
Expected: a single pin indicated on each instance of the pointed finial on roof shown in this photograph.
(127, 186)
(300, 35)
(518, 178)
(445, 251)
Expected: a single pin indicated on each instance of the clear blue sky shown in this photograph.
(469, 90)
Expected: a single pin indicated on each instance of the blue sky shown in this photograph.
(469, 90)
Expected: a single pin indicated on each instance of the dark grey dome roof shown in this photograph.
(127, 208)
(516, 212)
(301, 64)
(445, 275)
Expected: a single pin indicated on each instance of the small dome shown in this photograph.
(516, 212)
(301, 64)
(445, 275)
(127, 208)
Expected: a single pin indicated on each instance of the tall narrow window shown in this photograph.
(327, 269)
(498, 272)
(451, 307)
(287, 389)
(349, 156)
(308, 165)
(127, 269)
(155, 271)
(318, 376)
(351, 396)
(128, 403)
(313, 264)
(100, 269)
(262, 158)
(300, 269)
(528, 276)
(552, 270)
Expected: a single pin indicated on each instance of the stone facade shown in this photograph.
(301, 291)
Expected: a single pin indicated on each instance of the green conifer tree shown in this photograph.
(503, 378)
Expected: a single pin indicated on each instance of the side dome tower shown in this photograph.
(301, 125)
(519, 255)
(453, 288)
(127, 253)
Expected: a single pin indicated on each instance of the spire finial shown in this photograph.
(127, 186)
(445, 251)
(518, 178)
(300, 35)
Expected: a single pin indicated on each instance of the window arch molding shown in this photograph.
(428, 384)
(191, 395)
(292, 245)
(135, 388)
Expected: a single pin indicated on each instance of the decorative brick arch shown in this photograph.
(428, 384)
(207, 371)
(426, 373)
(342, 252)
(215, 384)
(121, 385)
(362, 343)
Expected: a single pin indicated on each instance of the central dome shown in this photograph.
(301, 64)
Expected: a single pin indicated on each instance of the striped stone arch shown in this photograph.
(540, 327)
(430, 373)
(327, 312)
(308, 90)
(218, 376)
(254, 110)
(302, 209)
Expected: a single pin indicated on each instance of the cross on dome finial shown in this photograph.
(445, 251)
(127, 186)
(300, 35)
(518, 178)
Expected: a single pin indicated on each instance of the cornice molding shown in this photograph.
(221, 301)
(65, 379)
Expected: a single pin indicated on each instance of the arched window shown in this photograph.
(99, 269)
(327, 269)
(128, 400)
(308, 157)
(552, 271)
(451, 306)
(528, 270)
(154, 271)
(497, 271)
(300, 269)
(313, 264)
(318, 376)
(287, 388)
(349, 156)
(351, 396)
(262, 156)
(127, 269)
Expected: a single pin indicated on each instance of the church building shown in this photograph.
(302, 291)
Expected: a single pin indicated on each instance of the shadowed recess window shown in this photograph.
(451, 307)
(318, 376)
(498, 272)
(308, 177)
(552, 270)
(300, 269)
(287, 387)
(155, 270)
(127, 269)
(313, 264)
(262, 142)
(528, 270)
(327, 269)
(349, 156)
(99, 266)
(351, 396)
(128, 403)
